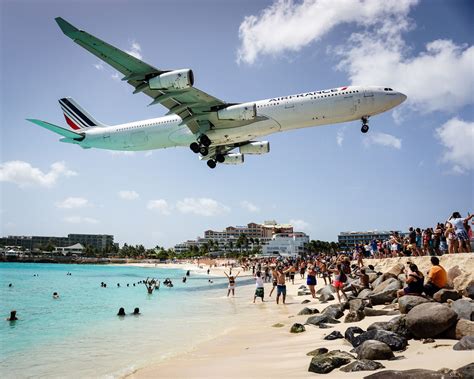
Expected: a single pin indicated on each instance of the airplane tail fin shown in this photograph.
(77, 117)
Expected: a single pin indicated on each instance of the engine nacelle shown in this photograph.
(178, 79)
(262, 147)
(247, 111)
(235, 158)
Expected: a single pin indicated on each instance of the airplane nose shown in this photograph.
(402, 96)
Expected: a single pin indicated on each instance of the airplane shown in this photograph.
(210, 127)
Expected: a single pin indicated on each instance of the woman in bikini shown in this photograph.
(231, 283)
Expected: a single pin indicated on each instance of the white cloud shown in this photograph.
(99, 66)
(382, 139)
(115, 76)
(80, 220)
(299, 225)
(160, 206)
(128, 195)
(289, 26)
(457, 137)
(121, 153)
(24, 174)
(247, 205)
(135, 50)
(340, 136)
(73, 202)
(201, 206)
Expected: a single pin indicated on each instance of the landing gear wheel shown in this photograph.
(211, 163)
(203, 151)
(365, 128)
(205, 141)
(194, 147)
(220, 158)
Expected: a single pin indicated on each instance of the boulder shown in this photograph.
(464, 309)
(306, 301)
(350, 333)
(372, 276)
(463, 282)
(318, 351)
(466, 371)
(334, 311)
(402, 278)
(354, 316)
(408, 302)
(393, 340)
(356, 305)
(378, 281)
(389, 284)
(303, 293)
(383, 297)
(297, 328)
(430, 319)
(394, 271)
(379, 312)
(469, 291)
(416, 373)
(364, 294)
(362, 365)
(453, 273)
(325, 363)
(321, 319)
(464, 328)
(374, 350)
(466, 343)
(326, 293)
(333, 336)
(396, 325)
(444, 294)
(305, 311)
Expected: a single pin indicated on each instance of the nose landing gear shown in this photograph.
(365, 124)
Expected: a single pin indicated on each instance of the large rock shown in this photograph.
(374, 350)
(430, 319)
(372, 276)
(356, 305)
(334, 311)
(396, 325)
(466, 371)
(383, 297)
(307, 311)
(416, 373)
(318, 351)
(326, 293)
(325, 363)
(379, 312)
(393, 340)
(444, 294)
(351, 332)
(464, 328)
(364, 294)
(303, 293)
(394, 271)
(464, 309)
(297, 328)
(389, 284)
(354, 316)
(333, 336)
(408, 302)
(463, 282)
(321, 319)
(362, 365)
(378, 281)
(453, 273)
(469, 291)
(466, 343)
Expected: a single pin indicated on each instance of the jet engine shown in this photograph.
(173, 80)
(247, 111)
(235, 158)
(255, 148)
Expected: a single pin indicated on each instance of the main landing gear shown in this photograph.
(365, 124)
(201, 146)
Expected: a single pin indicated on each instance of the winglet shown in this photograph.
(66, 27)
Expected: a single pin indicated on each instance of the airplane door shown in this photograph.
(289, 104)
(368, 99)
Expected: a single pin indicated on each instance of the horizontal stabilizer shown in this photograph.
(57, 129)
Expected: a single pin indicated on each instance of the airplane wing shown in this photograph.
(191, 104)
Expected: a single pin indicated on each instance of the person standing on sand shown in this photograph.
(281, 285)
(458, 224)
(274, 281)
(260, 290)
(311, 280)
(231, 283)
(292, 273)
(341, 279)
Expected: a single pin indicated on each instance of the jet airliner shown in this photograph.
(212, 128)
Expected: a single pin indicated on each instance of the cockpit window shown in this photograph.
(388, 89)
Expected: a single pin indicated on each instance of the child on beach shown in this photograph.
(340, 281)
(259, 291)
(231, 282)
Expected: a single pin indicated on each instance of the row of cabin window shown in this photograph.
(141, 126)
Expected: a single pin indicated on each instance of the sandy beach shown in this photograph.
(254, 347)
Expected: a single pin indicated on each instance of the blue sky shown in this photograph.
(414, 167)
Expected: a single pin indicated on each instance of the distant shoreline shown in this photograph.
(75, 260)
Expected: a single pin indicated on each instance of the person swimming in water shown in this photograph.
(136, 311)
(55, 295)
(121, 312)
(12, 316)
(231, 283)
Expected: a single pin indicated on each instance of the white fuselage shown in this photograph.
(281, 114)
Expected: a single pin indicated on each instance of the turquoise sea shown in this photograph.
(79, 334)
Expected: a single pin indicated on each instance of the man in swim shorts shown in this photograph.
(281, 285)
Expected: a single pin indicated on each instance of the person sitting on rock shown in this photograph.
(437, 278)
(364, 282)
(414, 282)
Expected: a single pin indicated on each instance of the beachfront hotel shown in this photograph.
(98, 241)
(348, 240)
